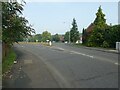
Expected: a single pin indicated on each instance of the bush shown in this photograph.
(105, 44)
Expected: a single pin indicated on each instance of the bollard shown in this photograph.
(50, 43)
(116, 45)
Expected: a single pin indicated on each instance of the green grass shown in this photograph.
(8, 61)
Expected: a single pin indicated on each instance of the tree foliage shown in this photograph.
(102, 35)
(84, 36)
(66, 37)
(100, 21)
(112, 35)
(55, 38)
(46, 36)
(14, 25)
(38, 37)
(74, 33)
(96, 38)
(34, 38)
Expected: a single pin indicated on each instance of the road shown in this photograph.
(66, 66)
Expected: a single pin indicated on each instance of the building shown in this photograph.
(90, 28)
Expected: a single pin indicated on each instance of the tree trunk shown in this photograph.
(5, 50)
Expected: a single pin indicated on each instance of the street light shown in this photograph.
(70, 26)
(69, 33)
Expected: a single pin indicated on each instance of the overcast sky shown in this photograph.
(56, 17)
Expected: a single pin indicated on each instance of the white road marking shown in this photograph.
(116, 64)
(90, 56)
(74, 52)
(60, 48)
(82, 54)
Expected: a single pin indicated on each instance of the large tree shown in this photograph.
(100, 21)
(14, 26)
(74, 33)
(102, 34)
(97, 36)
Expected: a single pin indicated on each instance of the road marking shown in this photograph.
(61, 49)
(116, 64)
(58, 48)
(81, 54)
(74, 52)
(90, 56)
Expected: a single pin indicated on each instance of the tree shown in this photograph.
(74, 33)
(112, 35)
(46, 36)
(97, 36)
(100, 21)
(84, 36)
(31, 39)
(14, 26)
(38, 37)
(55, 38)
(66, 37)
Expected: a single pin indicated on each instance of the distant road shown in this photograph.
(72, 66)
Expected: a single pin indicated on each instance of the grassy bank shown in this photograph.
(42, 43)
(8, 61)
(45, 43)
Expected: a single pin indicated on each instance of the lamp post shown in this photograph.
(69, 32)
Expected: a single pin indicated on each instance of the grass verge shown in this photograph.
(45, 43)
(8, 61)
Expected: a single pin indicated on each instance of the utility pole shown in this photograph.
(69, 32)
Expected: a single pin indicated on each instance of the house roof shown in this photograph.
(90, 28)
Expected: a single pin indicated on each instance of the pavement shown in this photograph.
(62, 66)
